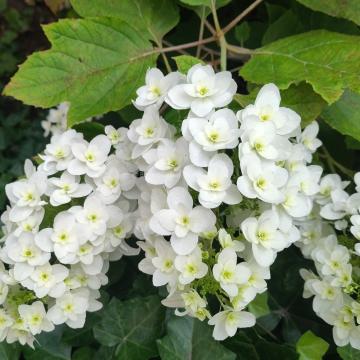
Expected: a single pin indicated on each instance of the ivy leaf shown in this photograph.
(95, 64)
(329, 61)
(348, 353)
(311, 347)
(132, 326)
(153, 18)
(9, 351)
(188, 338)
(185, 62)
(259, 306)
(348, 9)
(49, 347)
(300, 98)
(242, 32)
(344, 115)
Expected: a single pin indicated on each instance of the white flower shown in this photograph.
(34, 317)
(31, 223)
(163, 262)
(228, 321)
(25, 195)
(230, 274)
(90, 157)
(183, 222)
(191, 267)
(203, 91)
(226, 241)
(355, 228)
(296, 204)
(306, 179)
(25, 254)
(57, 154)
(342, 204)
(264, 237)
(115, 135)
(65, 237)
(267, 108)
(219, 132)
(70, 309)
(63, 189)
(167, 162)
(147, 131)
(308, 137)
(47, 280)
(261, 180)
(5, 322)
(94, 214)
(328, 184)
(214, 186)
(262, 140)
(113, 182)
(155, 89)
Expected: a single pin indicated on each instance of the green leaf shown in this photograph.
(348, 9)
(242, 32)
(132, 326)
(185, 62)
(49, 347)
(188, 338)
(9, 351)
(259, 306)
(300, 19)
(344, 115)
(95, 64)
(329, 61)
(84, 353)
(311, 347)
(348, 353)
(300, 98)
(154, 18)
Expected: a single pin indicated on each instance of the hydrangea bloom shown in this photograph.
(211, 207)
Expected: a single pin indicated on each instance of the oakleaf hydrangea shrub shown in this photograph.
(210, 205)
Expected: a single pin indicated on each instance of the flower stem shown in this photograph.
(241, 16)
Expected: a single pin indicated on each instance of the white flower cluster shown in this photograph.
(211, 207)
(331, 239)
(67, 219)
(218, 201)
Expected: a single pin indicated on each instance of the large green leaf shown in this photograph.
(300, 19)
(49, 347)
(329, 61)
(154, 18)
(344, 115)
(311, 347)
(95, 64)
(9, 351)
(188, 338)
(133, 326)
(348, 353)
(259, 306)
(347, 9)
(300, 98)
(185, 62)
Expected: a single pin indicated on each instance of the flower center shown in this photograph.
(149, 132)
(155, 90)
(261, 183)
(90, 156)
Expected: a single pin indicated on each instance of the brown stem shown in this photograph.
(233, 23)
(201, 32)
(176, 47)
